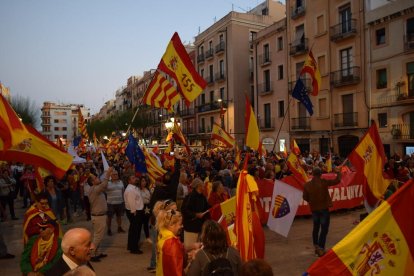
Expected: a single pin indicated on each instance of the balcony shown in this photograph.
(298, 47)
(220, 76)
(200, 58)
(344, 30)
(301, 123)
(209, 54)
(402, 132)
(347, 76)
(265, 88)
(187, 112)
(409, 42)
(267, 124)
(307, 82)
(298, 11)
(209, 80)
(265, 59)
(45, 114)
(188, 130)
(210, 106)
(204, 129)
(251, 75)
(346, 120)
(220, 47)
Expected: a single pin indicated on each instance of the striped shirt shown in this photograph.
(115, 192)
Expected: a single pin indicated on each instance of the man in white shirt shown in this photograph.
(134, 206)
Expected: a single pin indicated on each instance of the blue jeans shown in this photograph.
(321, 219)
(153, 236)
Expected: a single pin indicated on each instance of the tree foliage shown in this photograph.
(26, 109)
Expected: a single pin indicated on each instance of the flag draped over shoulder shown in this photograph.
(284, 204)
(368, 158)
(310, 66)
(161, 93)
(252, 129)
(135, 155)
(82, 126)
(221, 137)
(381, 244)
(177, 64)
(248, 229)
(12, 130)
(300, 93)
(296, 168)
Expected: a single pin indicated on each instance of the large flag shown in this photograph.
(284, 204)
(221, 138)
(135, 155)
(36, 150)
(295, 147)
(296, 168)
(381, 244)
(225, 214)
(252, 129)
(12, 130)
(248, 229)
(368, 158)
(154, 170)
(310, 66)
(82, 125)
(300, 93)
(161, 93)
(177, 64)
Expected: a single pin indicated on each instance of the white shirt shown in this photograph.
(72, 265)
(133, 199)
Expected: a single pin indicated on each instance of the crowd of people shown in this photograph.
(172, 211)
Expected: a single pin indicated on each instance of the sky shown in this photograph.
(82, 51)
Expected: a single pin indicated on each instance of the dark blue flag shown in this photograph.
(76, 141)
(300, 93)
(135, 155)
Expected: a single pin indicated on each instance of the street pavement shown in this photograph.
(287, 256)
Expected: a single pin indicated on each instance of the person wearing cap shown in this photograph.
(42, 251)
(317, 195)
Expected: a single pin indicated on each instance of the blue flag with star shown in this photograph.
(135, 155)
(300, 93)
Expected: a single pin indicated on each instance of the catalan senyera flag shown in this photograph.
(177, 64)
(12, 130)
(221, 137)
(82, 125)
(161, 93)
(381, 244)
(368, 158)
(153, 169)
(296, 168)
(36, 150)
(295, 147)
(248, 229)
(252, 129)
(311, 67)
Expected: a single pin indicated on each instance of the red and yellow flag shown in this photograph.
(368, 158)
(296, 168)
(381, 244)
(295, 147)
(176, 133)
(82, 125)
(12, 130)
(161, 93)
(311, 67)
(177, 64)
(153, 169)
(237, 159)
(329, 163)
(221, 138)
(252, 129)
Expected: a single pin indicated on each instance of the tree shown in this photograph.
(26, 109)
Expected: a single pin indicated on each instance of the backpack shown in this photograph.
(218, 265)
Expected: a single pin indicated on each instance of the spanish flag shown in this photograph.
(221, 137)
(382, 244)
(12, 130)
(237, 159)
(252, 129)
(295, 147)
(311, 67)
(368, 158)
(225, 214)
(161, 93)
(296, 168)
(177, 64)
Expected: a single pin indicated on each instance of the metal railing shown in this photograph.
(187, 112)
(220, 76)
(344, 30)
(209, 106)
(209, 53)
(402, 131)
(264, 59)
(298, 11)
(346, 119)
(346, 76)
(267, 123)
(301, 123)
(265, 87)
(220, 47)
(200, 58)
(409, 42)
(299, 46)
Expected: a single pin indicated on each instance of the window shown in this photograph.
(211, 122)
(410, 78)
(267, 120)
(211, 96)
(280, 43)
(221, 38)
(56, 128)
(322, 65)
(280, 72)
(266, 53)
(201, 50)
(382, 120)
(281, 109)
(266, 76)
(203, 99)
(65, 136)
(323, 108)
(210, 45)
(345, 18)
(203, 125)
(381, 78)
(300, 34)
(252, 37)
(56, 121)
(202, 73)
(222, 93)
(211, 73)
(380, 36)
(346, 62)
(320, 24)
(64, 128)
(56, 136)
(221, 64)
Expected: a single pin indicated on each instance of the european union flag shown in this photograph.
(299, 93)
(135, 155)
(76, 140)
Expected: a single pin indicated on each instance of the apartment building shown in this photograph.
(334, 31)
(61, 120)
(390, 72)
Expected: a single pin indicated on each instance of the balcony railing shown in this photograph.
(265, 59)
(204, 129)
(210, 106)
(200, 58)
(267, 124)
(307, 82)
(209, 53)
(347, 76)
(344, 30)
(301, 123)
(298, 11)
(346, 119)
(220, 47)
(409, 42)
(298, 47)
(209, 79)
(402, 131)
(265, 88)
(220, 76)
(187, 112)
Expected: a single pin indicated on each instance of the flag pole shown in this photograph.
(280, 128)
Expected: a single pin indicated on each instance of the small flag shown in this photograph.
(221, 137)
(252, 129)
